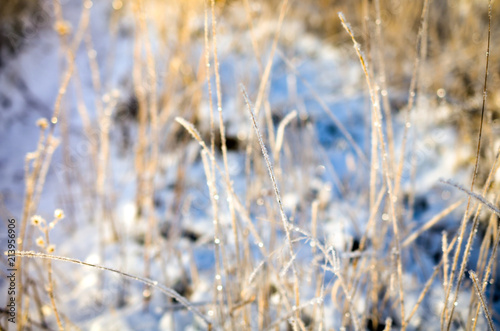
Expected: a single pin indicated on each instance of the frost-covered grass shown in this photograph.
(232, 165)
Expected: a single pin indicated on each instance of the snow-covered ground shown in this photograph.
(317, 163)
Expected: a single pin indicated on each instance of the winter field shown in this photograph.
(249, 165)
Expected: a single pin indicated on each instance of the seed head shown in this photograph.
(42, 123)
(51, 248)
(62, 27)
(59, 214)
(36, 220)
(40, 242)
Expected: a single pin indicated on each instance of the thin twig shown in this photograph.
(166, 290)
(476, 196)
(277, 196)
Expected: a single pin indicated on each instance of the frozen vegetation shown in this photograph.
(239, 165)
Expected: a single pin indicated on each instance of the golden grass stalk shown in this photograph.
(487, 314)
(298, 321)
(411, 94)
(193, 132)
(280, 133)
(267, 71)
(429, 281)
(314, 222)
(332, 257)
(491, 175)
(50, 288)
(445, 258)
(278, 200)
(150, 160)
(209, 84)
(239, 206)
(489, 268)
(261, 95)
(222, 131)
(392, 197)
(485, 248)
(430, 223)
(241, 210)
(218, 239)
(382, 78)
(466, 214)
(34, 177)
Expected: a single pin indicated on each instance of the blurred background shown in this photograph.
(111, 77)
